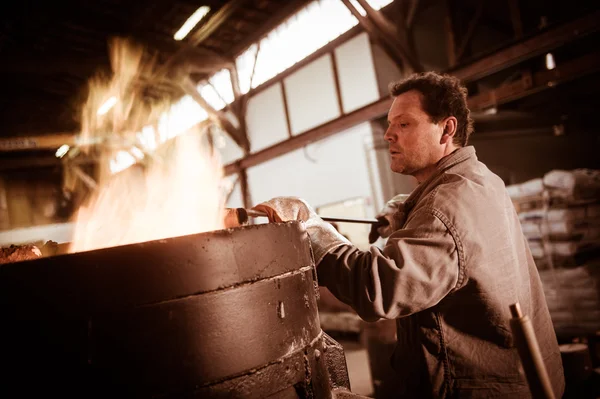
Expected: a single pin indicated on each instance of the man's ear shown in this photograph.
(449, 125)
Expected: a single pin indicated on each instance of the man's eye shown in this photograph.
(403, 125)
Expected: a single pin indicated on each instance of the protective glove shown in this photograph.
(323, 236)
(390, 219)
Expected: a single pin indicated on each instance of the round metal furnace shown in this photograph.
(230, 313)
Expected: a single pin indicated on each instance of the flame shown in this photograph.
(174, 191)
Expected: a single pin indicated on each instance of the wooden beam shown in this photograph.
(539, 81)
(84, 177)
(379, 20)
(37, 162)
(450, 38)
(237, 135)
(45, 142)
(528, 48)
(470, 30)
(235, 81)
(245, 189)
(505, 120)
(254, 66)
(180, 59)
(58, 64)
(215, 21)
(366, 113)
(515, 18)
(239, 106)
(382, 30)
(405, 33)
(377, 36)
(412, 12)
(336, 82)
(286, 109)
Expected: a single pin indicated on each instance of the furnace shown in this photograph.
(230, 313)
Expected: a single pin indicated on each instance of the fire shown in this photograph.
(177, 188)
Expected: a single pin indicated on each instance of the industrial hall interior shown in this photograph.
(300, 199)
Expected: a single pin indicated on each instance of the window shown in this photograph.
(301, 35)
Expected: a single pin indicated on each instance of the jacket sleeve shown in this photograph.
(417, 269)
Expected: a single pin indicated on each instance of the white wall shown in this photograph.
(331, 170)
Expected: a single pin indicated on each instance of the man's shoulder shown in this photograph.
(465, 190)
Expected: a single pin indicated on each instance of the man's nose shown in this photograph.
(388, 136)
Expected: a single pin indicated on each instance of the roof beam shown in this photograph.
(385, 33)
(371, 111)
(515, 18)
(217, 116)
(39, 162)
(528, 48)
(215, 22)
(539, 81)
(46, 142)
(470, 30)
(412, 12)
(52, 66)
(450, 33)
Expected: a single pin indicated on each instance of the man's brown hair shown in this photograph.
(443, 96)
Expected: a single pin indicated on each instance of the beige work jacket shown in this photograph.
(448, 276)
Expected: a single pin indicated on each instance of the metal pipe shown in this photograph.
(253, 213)
(530, 354)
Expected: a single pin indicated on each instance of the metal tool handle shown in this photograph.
(253, 213)
(530, 354)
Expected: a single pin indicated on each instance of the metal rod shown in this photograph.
(253, 213)
(530, 354)
(348, 220)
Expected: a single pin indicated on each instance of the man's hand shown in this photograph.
(377, 229)
(283, 209)
(323, 236)
(390, 219)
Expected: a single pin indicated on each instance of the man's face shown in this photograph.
(414, 141)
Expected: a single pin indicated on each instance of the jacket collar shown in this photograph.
(454, 158)
(450, 160)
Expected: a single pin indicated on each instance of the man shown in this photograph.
(454, 261)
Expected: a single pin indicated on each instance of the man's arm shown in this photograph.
(417, 269)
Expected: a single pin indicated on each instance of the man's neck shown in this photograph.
(424, 173)
(427, 172)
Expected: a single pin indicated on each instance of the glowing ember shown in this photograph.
(175, 191)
